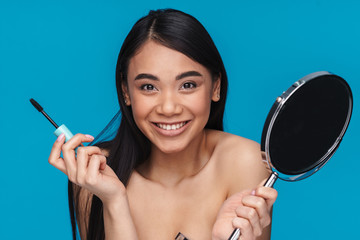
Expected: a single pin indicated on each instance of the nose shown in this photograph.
(169, 104)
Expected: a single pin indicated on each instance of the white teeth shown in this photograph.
(170, 126)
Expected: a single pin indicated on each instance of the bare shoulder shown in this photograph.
(238, 161)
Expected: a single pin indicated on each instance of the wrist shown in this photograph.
(116, 203)
(118, 223)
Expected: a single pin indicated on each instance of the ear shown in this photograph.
(126, 95)
(216, 90)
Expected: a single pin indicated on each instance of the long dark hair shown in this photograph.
(130, 148)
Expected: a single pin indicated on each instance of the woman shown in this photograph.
(170, 167)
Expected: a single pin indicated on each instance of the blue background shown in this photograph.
(63, 54)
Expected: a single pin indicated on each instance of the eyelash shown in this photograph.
(193, 85)
(185, 86)
(146, 86)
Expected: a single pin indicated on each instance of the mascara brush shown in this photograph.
(40, 109)
(59, 130)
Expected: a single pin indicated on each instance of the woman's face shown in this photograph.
(170, 96)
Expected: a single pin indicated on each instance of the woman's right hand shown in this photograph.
(86, 167)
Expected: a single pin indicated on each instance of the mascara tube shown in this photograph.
(63, 129)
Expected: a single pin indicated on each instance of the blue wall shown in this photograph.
(63, 54)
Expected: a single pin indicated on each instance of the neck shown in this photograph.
(169, 169)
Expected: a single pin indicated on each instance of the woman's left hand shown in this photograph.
(250, 211)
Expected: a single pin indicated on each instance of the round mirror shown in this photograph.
(305, 127)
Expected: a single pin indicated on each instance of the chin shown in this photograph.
(171, 148)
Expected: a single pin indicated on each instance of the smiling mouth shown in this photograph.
(174, 126)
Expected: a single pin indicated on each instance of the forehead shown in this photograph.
(155, 58)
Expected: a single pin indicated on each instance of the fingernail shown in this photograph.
(89, 136)
(253, 192)
(60, 137)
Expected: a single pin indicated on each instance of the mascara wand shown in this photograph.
(59, 130)
(40, 109)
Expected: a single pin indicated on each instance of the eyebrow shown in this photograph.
(178, 77)
(146, 76)
(188, 74)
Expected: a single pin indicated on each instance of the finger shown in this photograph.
(269, 194)
(103, 164)
(76, 141)
(55, 154)
(245, 228)
(94, 168)
(83, 157)
(235, 199)
(252, 216)
(68, 150)
(260, 205)
(96, 164)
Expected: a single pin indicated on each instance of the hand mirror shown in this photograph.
(305, 127)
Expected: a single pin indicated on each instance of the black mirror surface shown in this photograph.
(306, 125)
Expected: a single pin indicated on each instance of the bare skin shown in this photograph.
(196, 181)
(191, 203)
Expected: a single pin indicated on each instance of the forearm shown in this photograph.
(118, 222)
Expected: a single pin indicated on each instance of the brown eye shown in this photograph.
(147, 87)
(188, 85)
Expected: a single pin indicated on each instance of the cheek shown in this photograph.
(200, 104)
(139, 107)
